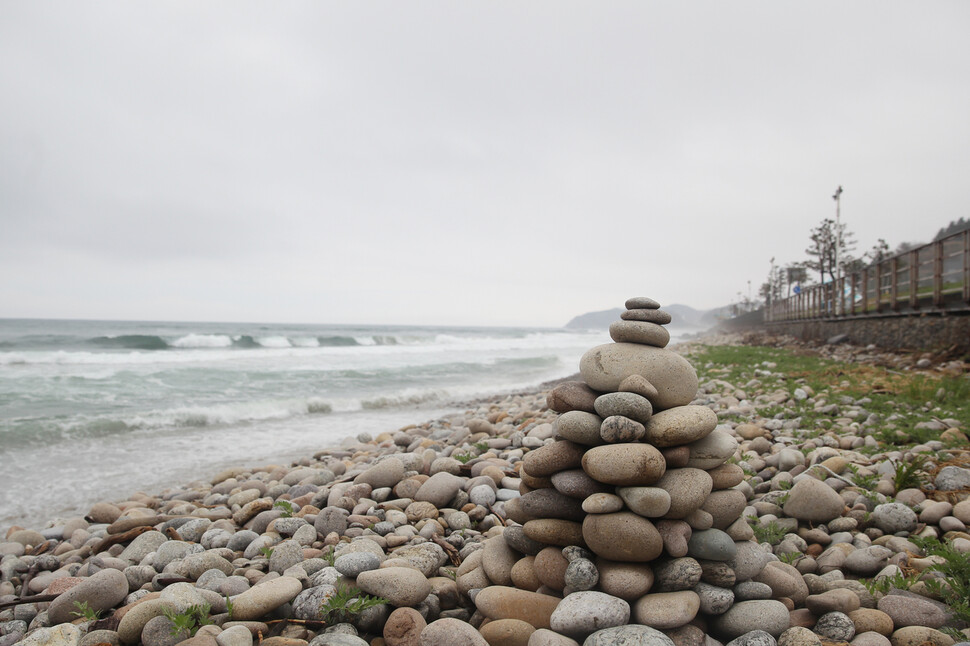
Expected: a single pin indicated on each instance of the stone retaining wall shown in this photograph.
(929, 331)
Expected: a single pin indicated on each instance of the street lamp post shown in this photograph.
(838, 249)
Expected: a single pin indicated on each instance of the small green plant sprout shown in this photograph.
(909, 475)
(330, 556)
(462, 457)
(230, 607)
(770, 532)
(266, 551)
(83, 611)
(954, 588)
(346, 603)
(190, 620)
(789, 557)
(481, 446)
(286, 508)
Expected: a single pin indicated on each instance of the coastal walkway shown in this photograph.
(919, 299)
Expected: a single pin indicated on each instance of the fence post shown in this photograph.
(966, 265)
(938, 273)
(914, 279)
(893, 287)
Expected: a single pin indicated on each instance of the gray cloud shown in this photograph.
(433, 162)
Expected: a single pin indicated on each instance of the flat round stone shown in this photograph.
(680, 425)
(623, 536)
(639, 332)
(605, 366)
(627, 465)
(641, 303)
(659, 317)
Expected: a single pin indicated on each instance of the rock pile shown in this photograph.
(632, 514)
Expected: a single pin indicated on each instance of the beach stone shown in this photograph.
(507, 632)
(799, 636)
(517, 540)
(94, 637)
(676, 574)
(234, 636)
(572, 396)
(550, 567)
(352, 564)
(911, 610)
(867, 561)
(426, 558)
(719, 574)
(605, 366)
(401, 586)
(142, 546)
(65, 634)
(497, 560)
(753, 638)
(714, 600)
(659, 317)
(579, 427)
(837, 600)
(725, 507)
(553, 531)
(103, 590)
(308, 605)
(264, 598)
(870, 639)
(768, 615)
(627, 581)
(451, 632)
(137, 617)
(920, 636)
(784, 581)
(624, 404)
(688, 489)
(680, 425)
(675, 534)
(623, 464)
(602, 503)
(871, 620)
(894, 517)
(104, 512)
(641, 303)
(617, 428)
(403, 627)
(330, 520)
(666, 610)
(581, 574)
(386, 473)
(439, 489)
(623, 536)
(544, 503)
(639, 385)
(711, 545)
(162, 631)
(524, 575)
(501, 602)
(194, 565)
(643, 332)
(748, 561)
(551, 458)
(544, 637)
(712, 450)
(575, 483)
(813, 501)
(285, 555)
(650, 502)
(952, 478)
(726, 476)
(585, 612)
(835, 626)
(629, 635)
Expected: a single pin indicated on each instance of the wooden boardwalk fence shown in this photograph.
(931, 278)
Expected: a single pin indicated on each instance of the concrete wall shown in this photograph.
(927, 331)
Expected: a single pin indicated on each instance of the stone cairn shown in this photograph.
(632, 515)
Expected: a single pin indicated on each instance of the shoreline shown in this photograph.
(490, 435)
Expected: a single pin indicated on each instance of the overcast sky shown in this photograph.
(448, 162)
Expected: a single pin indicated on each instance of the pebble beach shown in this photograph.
(743, 521)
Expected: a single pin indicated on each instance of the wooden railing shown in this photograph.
(934, 277)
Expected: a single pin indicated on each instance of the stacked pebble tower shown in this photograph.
(633, 509)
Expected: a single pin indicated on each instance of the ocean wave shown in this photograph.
(410, 398)
(131, 342)
(203, 341)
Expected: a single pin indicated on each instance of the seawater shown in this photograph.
(93, 410)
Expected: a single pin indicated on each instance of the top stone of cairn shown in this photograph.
(642, 303)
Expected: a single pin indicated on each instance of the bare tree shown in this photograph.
(821, 251)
